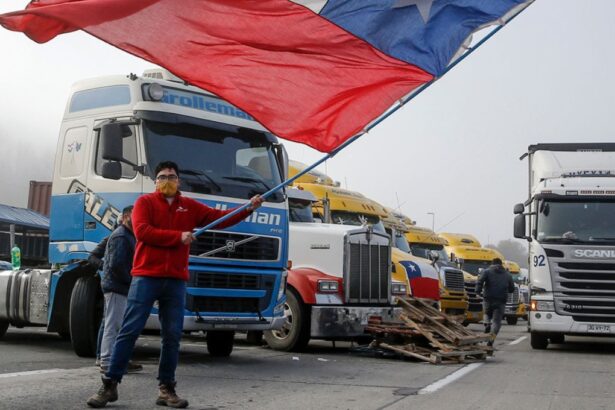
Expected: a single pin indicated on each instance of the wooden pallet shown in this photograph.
(424, 333)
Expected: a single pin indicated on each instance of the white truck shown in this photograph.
(569, 222)
(340, 277)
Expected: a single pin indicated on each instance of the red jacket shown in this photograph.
(158, 227)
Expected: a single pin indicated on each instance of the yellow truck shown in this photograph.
(425, 242)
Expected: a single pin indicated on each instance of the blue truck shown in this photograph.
(114, 131)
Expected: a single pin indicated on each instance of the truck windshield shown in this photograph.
(351, 218)
(473, 266)
(300, 211)
(212, 161)
(401, 242)
(422, 250)
(576, 222)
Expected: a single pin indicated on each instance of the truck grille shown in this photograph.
(229, 246)
(513, 298)
(368, 277)
(233, 281)
(453, 278)
(584, 290)
(475, 302)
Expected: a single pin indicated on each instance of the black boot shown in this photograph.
(107, 393)
(168, 397)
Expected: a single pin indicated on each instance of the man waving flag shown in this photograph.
(311, 71)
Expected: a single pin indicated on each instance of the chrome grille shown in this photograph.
(236, 246)
(513, 298)
(453, 279)
(475, 302)
(368, 274)
(583, 289)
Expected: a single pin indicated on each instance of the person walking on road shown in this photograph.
(115, 283)
(163, 222)
(497, 284)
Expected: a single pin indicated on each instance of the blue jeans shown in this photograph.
(171, 297)
(494, 312)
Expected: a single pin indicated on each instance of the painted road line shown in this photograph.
(519, 340)
(30, 373)
(456, 375)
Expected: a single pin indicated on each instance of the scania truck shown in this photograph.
(114, 132)
(568, 221)
(340, 277)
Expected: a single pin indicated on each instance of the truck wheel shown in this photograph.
(511, 320)
(220, 342)
(254, 337)
(557, 339)
(4, 326)
(295, 334)
(86, 306)
(538, 341)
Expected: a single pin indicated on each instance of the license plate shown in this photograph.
(599, 328)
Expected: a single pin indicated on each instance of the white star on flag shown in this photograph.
(424, 6)
(413, 268)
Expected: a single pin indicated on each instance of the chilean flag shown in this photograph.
(424, 281)
(311, 71)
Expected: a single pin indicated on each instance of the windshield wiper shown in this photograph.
(601, 239)
(559, 239)
(199, 173)
(248, 179)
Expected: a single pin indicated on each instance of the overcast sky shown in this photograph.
(453, 151)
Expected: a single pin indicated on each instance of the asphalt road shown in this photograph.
(40, 371)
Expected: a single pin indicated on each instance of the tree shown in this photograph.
(513, 250)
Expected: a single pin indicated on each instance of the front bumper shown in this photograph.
(191, 323)
(346, 321)
(474, 317)
(551, 322)
(456, 305)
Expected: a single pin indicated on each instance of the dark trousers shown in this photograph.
(494, 312)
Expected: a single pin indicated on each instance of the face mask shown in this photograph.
(167, 188)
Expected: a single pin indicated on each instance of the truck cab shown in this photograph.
(114, 131)
(331, 291)
(427, 244)
(521, 288)
(568, 224)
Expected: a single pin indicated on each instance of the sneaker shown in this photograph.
(97, 362)
(168, 397)
(107, 393)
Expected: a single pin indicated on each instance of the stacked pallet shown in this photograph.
(427, 334)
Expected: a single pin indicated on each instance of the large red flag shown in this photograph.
(304, 78)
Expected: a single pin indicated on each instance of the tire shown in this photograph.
(557, 339)
(255, 337)
(220, 342)
(295, 334)
(4, 326)
(538, 341)
(512, 320)
(86, 306)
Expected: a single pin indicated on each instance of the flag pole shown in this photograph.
(368, 128)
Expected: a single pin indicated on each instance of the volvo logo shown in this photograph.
(230, 246)
(595, 253)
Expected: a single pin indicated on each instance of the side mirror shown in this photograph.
(111, 142)
(112, 170)
(518, 209)
(519, 227)
(282, 159)
(434, 256)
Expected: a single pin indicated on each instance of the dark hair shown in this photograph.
(164, 165)
(127, 210)
(497, 261)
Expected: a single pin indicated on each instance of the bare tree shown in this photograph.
(513, 250)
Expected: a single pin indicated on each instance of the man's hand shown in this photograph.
(187, 238)
(256, 201)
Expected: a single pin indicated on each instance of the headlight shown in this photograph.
(282, 290)
(399, 289)
(542, 305)
(328, 286)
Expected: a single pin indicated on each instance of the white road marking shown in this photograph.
(519, 340)
(434, 387)
(30, 373)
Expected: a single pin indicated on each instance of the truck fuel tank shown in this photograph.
(24, 296)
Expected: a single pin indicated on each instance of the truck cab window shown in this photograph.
(130, 153)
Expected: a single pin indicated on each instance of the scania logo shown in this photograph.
(230, 246)
(594, 253)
